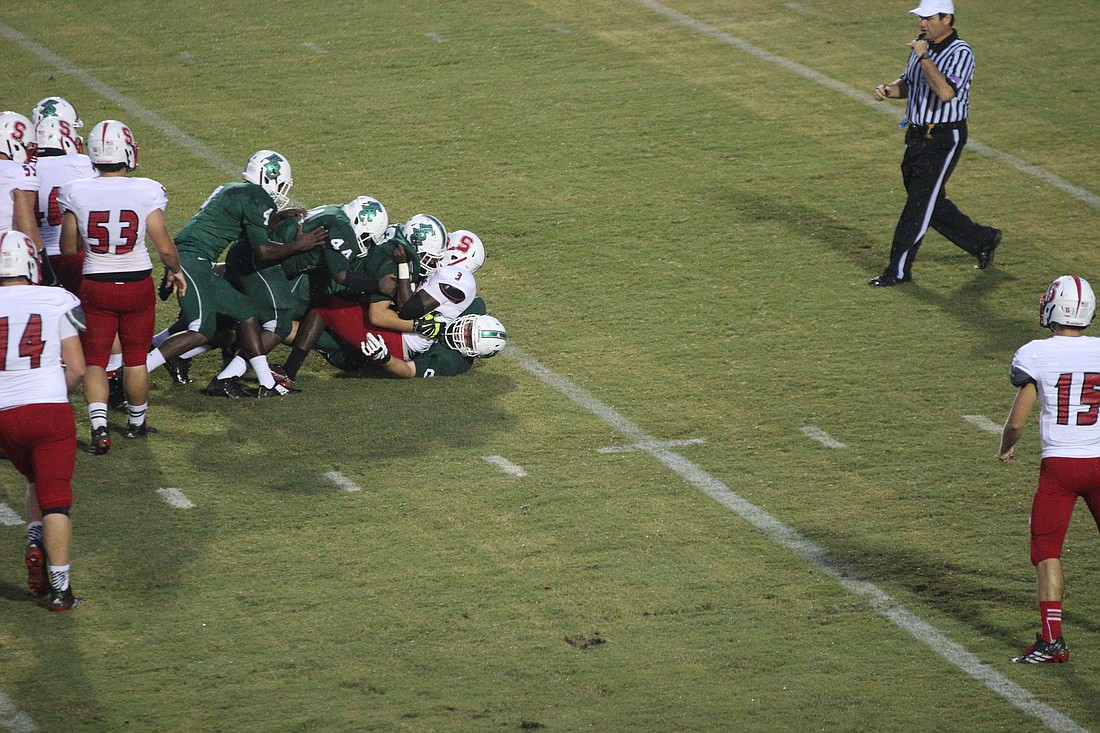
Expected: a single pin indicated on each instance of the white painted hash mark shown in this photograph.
(983, 423)
(647, 446)
(13, 719)
(9, 517)
(437, 38)
(175, 498)
(314, 47)
(878, 599)
(821, 437)
(343, 482)
(505, 465)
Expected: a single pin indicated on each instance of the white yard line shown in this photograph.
(807, 549)
(821, 437)
(505, 465)
(343, 482)
(646, 446)
(1083, 195)
(983, 423)
(9, 517)
(691, 473)
(175, 498)
(13, 719)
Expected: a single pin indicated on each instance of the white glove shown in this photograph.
(375, 349)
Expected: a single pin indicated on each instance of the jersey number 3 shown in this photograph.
(1089, 388)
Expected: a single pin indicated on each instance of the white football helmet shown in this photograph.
(16, 137)
(57, 134)
(465, 250)
(56, 107)
(111, 141)
(475, 336)
(1068, 301)
(271, 172)
(429, 236)
(18, 256)
(369, 220)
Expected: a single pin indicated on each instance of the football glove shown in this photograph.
(165, 290)
(430, 325)
(375, 349)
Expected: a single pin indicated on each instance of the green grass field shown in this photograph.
(680, 229)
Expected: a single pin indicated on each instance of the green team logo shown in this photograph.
(420, 234)
(273, 166)
(49, 108)
(369, 211)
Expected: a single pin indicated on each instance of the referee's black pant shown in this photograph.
(930, 158)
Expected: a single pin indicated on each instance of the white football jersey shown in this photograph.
(14, 176)
(1066, 372)
(461, 284)
(111, 212)
(33, 322)
(53, 172)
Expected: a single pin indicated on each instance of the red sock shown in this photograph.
(1050, 615)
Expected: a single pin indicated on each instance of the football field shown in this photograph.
(714, 483)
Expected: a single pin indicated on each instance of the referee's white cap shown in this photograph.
(931, 7)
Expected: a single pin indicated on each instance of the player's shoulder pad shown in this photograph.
(1019, 377)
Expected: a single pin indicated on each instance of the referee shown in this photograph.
(936, 84)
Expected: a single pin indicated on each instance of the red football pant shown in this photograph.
(350, 322)
(1061, 482)
(69, 270)
(126, 309)
(40, 441)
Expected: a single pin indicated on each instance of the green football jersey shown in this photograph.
(441, 361)
(234, 211)
(380, 261)
(332, 256)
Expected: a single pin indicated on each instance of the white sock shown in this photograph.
(154, 360)
(137, 413)
(114, 363)
(97, 413)
(160, 338)
(234, 369)
(263, 371)
(34, 532)
(195, 351)
(59, 577)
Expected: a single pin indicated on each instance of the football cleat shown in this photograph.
(886, 280)
(63, 600)
(180, 369)
(140, 431)
(37, 580)
(278, 373)
(224, 388)
(101, 441)
(985, 255)
(1044, 652)
(116, 398)
(277, 391)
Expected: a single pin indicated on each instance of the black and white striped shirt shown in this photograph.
(955, 61)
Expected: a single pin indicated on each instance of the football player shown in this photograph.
(233, 211)
(464, 249)
(111, 215)
(278, 287)
(18, 179)
(60, 160)
(466, 338)
(40, 363)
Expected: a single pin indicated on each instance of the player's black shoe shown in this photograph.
(37, 580)
(180, 369)
(116, 398)
(140, 431)
(886, 280)
(277, 391)
(278, 373)
(224, 388)
(101, 441)
(1045, 652)
(985, 255)
(63, 600)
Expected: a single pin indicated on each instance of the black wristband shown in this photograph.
(359, 281)
(925, 56)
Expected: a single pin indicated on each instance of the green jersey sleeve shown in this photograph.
(441, 361)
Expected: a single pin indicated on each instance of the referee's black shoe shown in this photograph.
(985, 256)
(887, 279)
